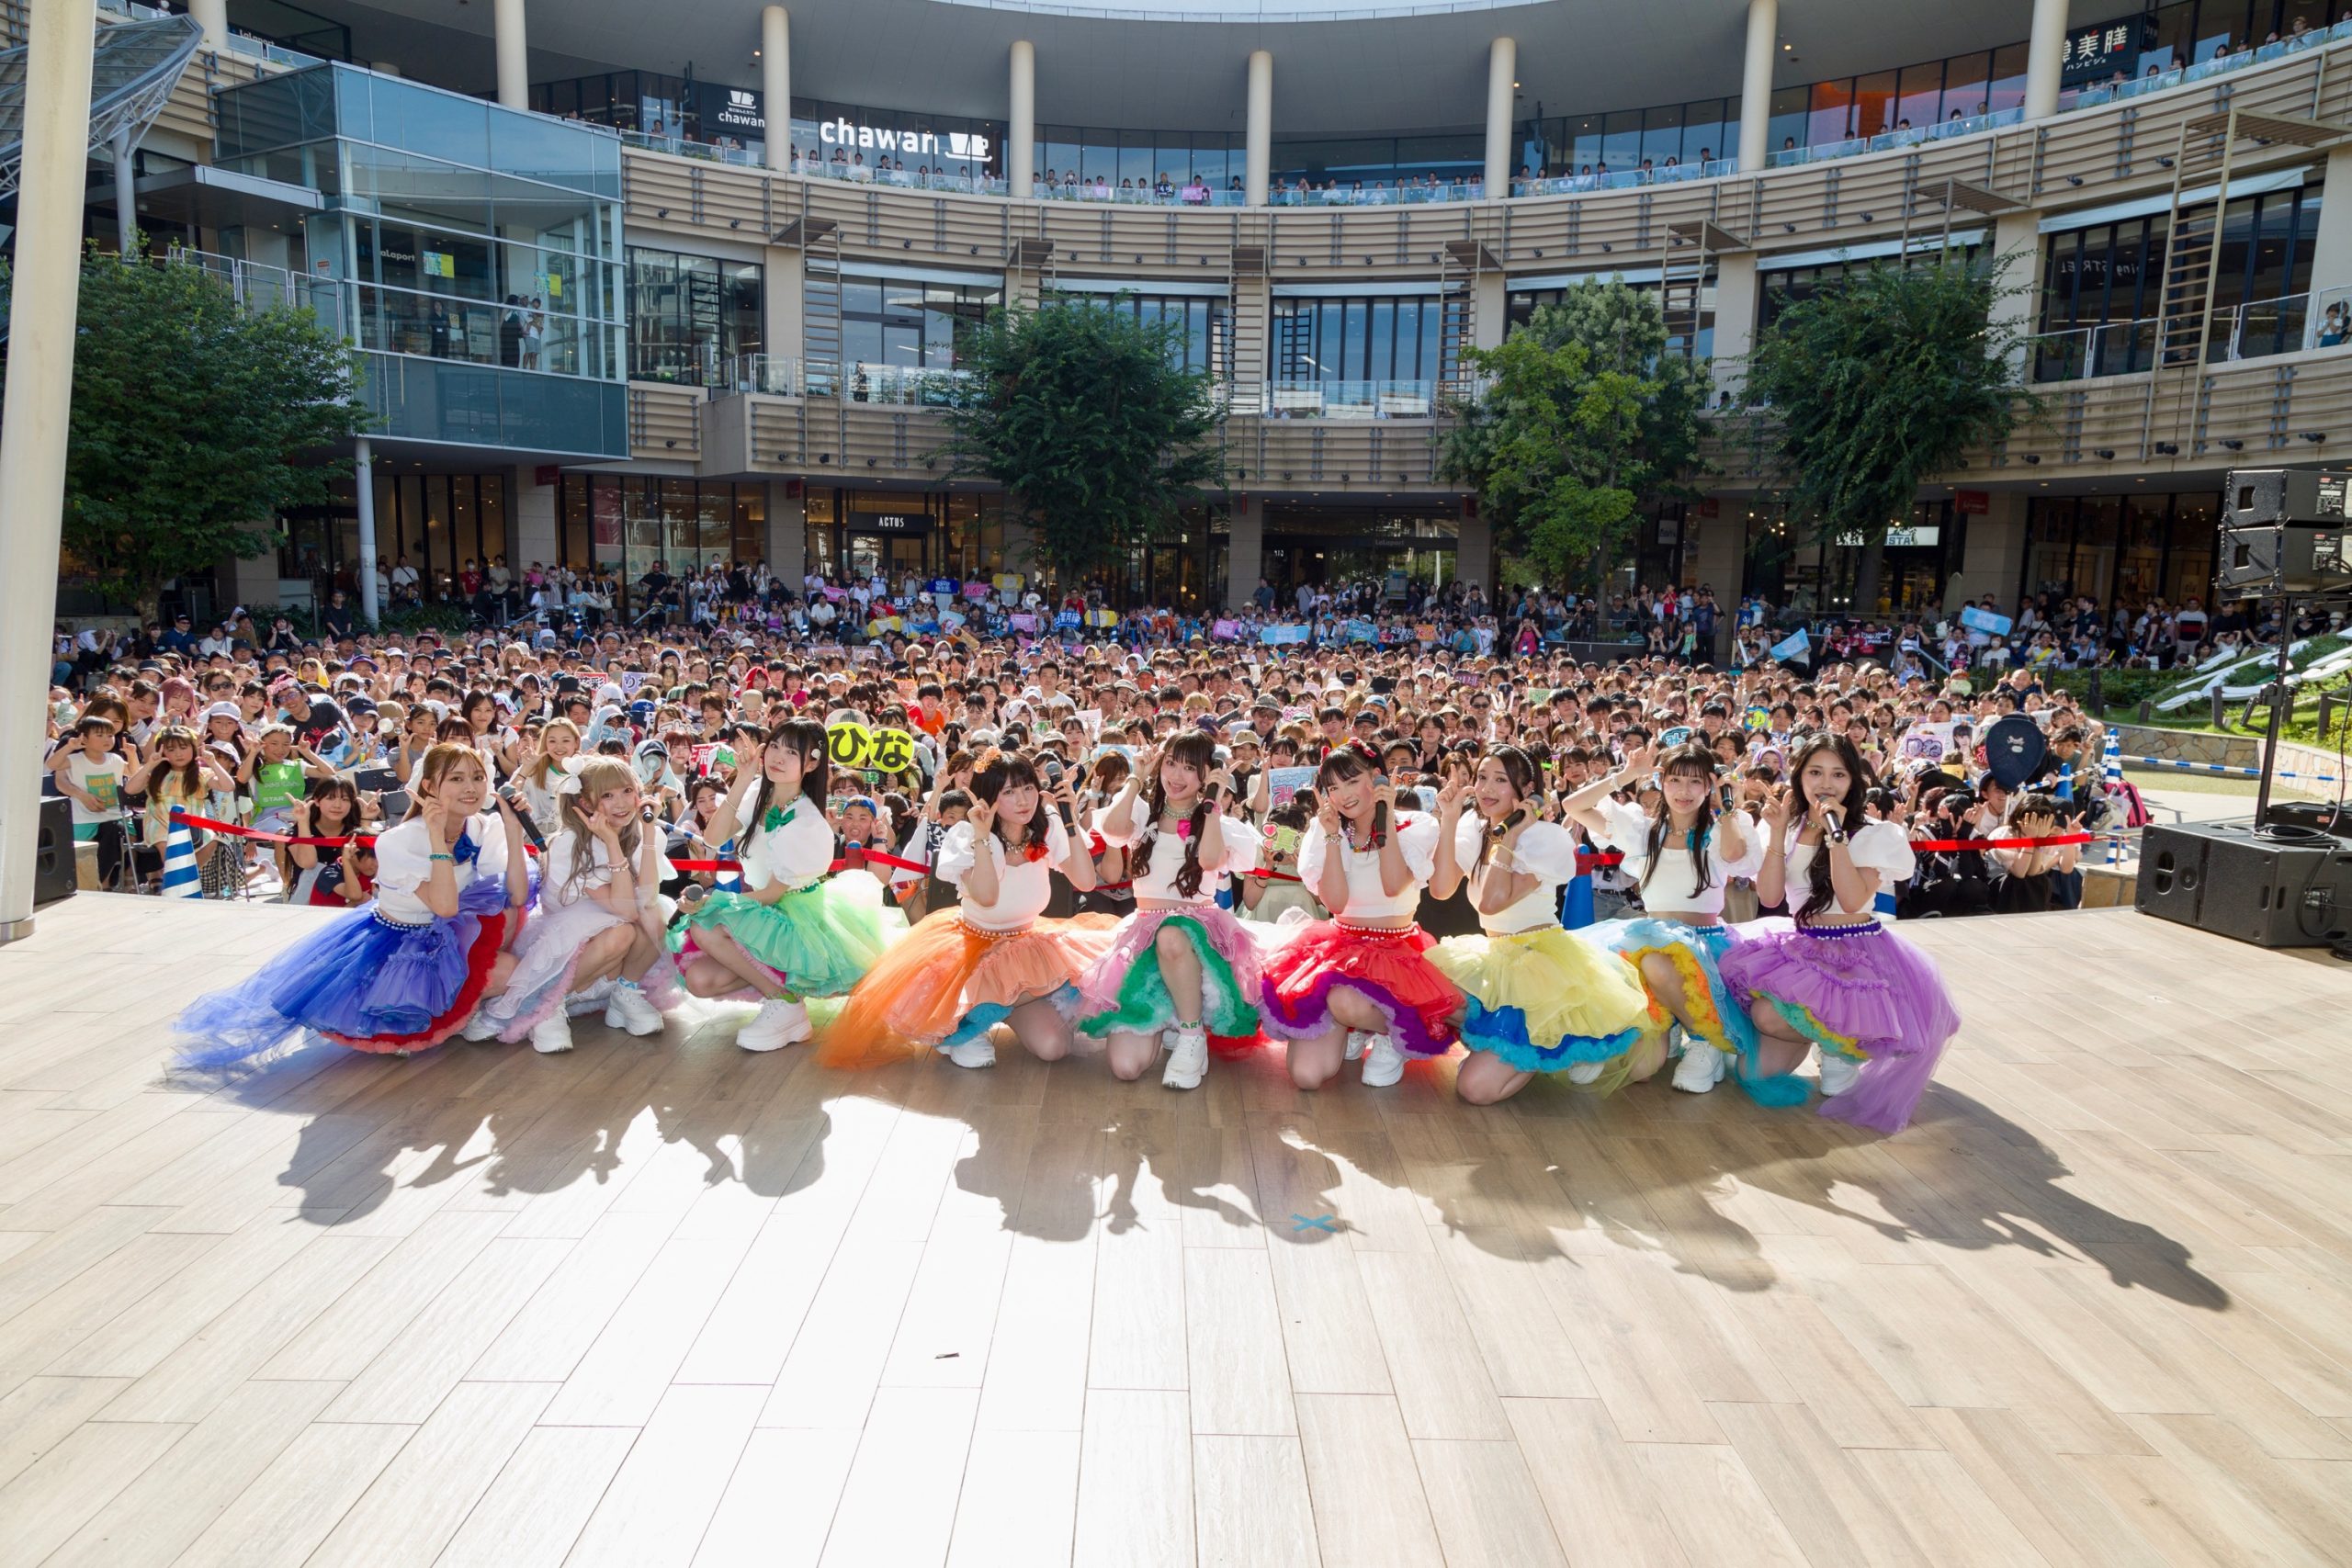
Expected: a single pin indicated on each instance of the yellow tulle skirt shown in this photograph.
(1548, 1001)
(946, 979)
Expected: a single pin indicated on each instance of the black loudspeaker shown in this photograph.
(53, 873)
(2286, 559)
(2286, 888)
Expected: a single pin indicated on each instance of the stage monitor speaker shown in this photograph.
(2274, 889)
(2286, 558)
(53, 872)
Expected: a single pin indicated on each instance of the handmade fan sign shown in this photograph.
(850, 745)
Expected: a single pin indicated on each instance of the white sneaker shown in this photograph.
(1701, 1070)
(780, 1023)
(1356, 1037)
(1188, 1058)
(552, 1035)
(1585, 1072)
(629, 1008)
(481, 1029)
(979, 1053)
(1382, 1062)
(1837, 1073)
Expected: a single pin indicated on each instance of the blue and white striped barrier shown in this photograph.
(2227, 770)
(182, 878)
(2111, 774)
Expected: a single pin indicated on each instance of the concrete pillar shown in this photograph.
(126, 194)
(513, 54)
(1261, 131)
(2332, 255)
(1474, 553)
(787, 540)
(363, 486)
(2017, 235)
(212, 15)
(1994, 560)
(1244, 556)
(1020, 122)
(33, 426)
(1739, 294)
(1489, 309)
(1714, 555)
(776, 82)
(2045, 58)
(1756, 83)
(1502, 83)
(783, 280)
(532, 530)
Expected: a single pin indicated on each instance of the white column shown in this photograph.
(33, 429)
(2045, 58)
(1245, 555)
(2332, 252)
(1260, 127)
(513, 54)
(212, 15)
(787, 540)
(1756, 83)
(363, 490)
(1021, 121)
(776, 82)
(1502, 83)
(125, 195)
(532, 531)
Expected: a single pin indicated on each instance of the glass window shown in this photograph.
(1791, 107)
(1662, 135)
(1874, 103)
(2008, 87)
(1965, 79)
(1621, 141)
(1918, 95)
(1710, 131)
(1829, 113)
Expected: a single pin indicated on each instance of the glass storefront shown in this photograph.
(1332, 546)
(1790, 563)
(628, 522)
(2103, 288)
(897, 327)
(1382, 338)
(689, 317)
(2129, 547)
(907, 533)
(436, 524)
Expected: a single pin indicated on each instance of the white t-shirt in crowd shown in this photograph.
(102, 778)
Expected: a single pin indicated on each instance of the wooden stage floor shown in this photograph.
(673, 1304)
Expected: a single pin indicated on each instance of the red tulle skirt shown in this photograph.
(1386, 968)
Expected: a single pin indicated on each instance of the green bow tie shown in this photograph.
(777, 817)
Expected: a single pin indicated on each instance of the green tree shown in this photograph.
(1079, 411)
(1867, 388)
(1585, 413)
(195, 420)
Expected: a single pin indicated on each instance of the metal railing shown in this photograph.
(255, 286)
(2256, 329)
(1902, 136)
(2117, 92)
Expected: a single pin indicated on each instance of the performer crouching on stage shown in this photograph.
(1179, 966)
(599, 915)
(791, 933)
(1835, 978)
(405, 970)
(1540, 1000)
(1681, 853)
(1358, 985)
(990, 959)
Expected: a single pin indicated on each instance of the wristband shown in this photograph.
(451, 859)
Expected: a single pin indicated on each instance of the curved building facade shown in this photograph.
(687, 283)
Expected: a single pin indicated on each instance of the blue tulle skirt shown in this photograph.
(360, 981)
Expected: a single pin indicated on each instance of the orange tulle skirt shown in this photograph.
(929, 982)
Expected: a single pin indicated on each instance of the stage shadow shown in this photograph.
(1062, 1150)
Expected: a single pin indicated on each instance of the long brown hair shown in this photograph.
(1196, 750)
(1692, 758)
(1525, 783)
(806, 736)
(439, 757)
(997, 772)
(1821, 892)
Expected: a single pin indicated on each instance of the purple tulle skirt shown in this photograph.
(1860, 991)
(359, 980)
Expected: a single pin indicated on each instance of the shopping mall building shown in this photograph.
(688, 281)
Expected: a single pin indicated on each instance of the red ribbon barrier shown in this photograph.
(2004, 843)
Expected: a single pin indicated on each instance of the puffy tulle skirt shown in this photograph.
(1388, 968)
(948, 981)
(816, 941)
(1122, 992)
(1861, 992)
(359, 980)
(547, 957)
(1697, 953)
(1546, 1000)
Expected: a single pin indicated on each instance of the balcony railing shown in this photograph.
(2256, 329)
(2117, 92)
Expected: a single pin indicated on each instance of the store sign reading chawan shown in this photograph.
(742, 112)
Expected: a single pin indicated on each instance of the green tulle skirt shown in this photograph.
(819, 942)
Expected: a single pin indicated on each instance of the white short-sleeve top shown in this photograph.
(1674, 889)
(1024, 887)
(1367, 899)
(563, 851)
(1875, 846)
(796, 852)
(1156, 883)
(1545, 851)
(404, 859)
